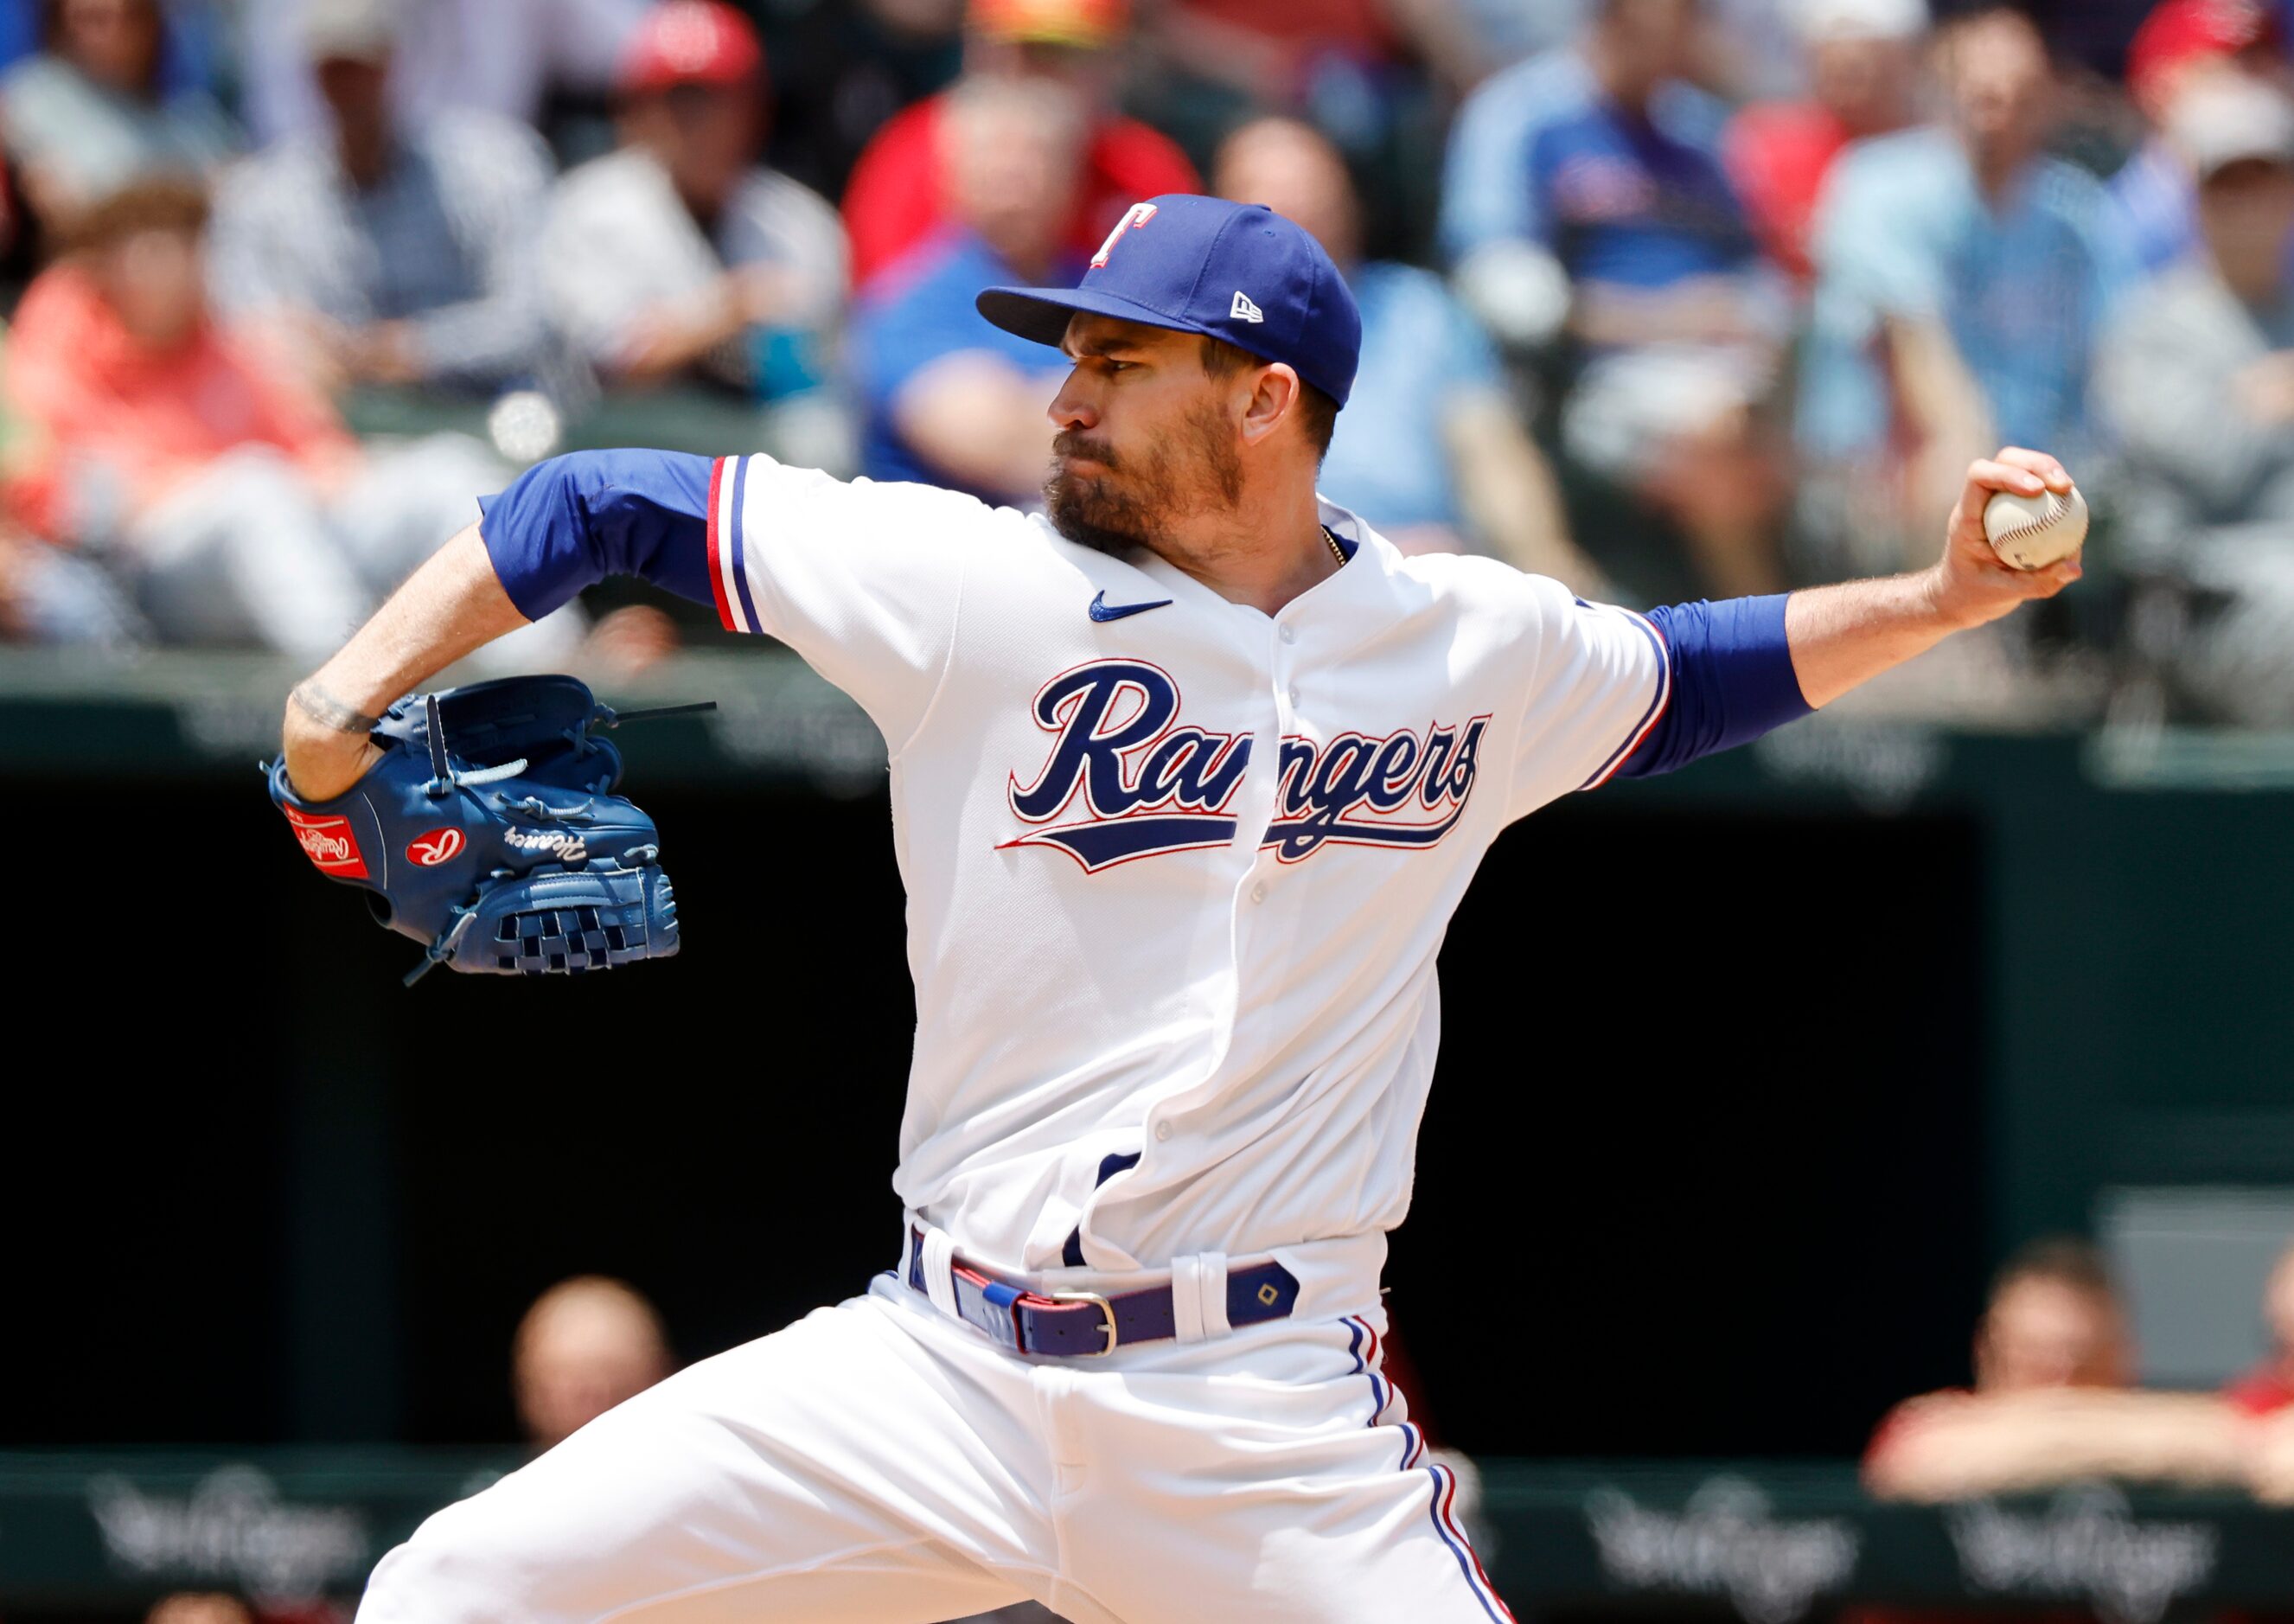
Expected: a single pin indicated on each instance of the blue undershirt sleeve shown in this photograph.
(1732, 680)
(573, 520)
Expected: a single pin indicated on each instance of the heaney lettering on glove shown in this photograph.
(569, 848)
(489, 832)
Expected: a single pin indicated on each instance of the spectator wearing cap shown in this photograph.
(504, 57)
(1431, 445)
(1963, 276)
(2196, 381)
(903, 188)
(89, 115)
(2054, 1400)
(664, 258)
(224, 495)
(1862, 72)
(1588, 216)
(946, 398)
(383, 254)
(2181, 44)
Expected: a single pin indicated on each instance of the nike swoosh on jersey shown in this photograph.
(1102, 610)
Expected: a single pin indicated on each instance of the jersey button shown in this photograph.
(1290, 634)
(1259, 893)
(1294, 699)
(1162, 1130)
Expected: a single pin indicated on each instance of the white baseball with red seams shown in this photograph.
(2033, 532)
(1177, 872)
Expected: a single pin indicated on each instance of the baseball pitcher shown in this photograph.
(1188, 773)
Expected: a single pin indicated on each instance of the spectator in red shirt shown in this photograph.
(900, 193)
(2269, 1387)
(2054, 1400)
(226, 497)
(2264, 1395)
(1863, 73)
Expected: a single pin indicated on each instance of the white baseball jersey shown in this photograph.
(1177, 871)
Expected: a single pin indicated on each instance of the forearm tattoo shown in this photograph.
(329, 712)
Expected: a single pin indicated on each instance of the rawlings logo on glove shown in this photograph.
(439, 845)
(489, 832)
(327, 842)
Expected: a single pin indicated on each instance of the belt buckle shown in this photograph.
(1106, 1309)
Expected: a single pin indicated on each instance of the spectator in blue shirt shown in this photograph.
(1962, 276)
(1429, 451)
(1586, 202)
(946, 398)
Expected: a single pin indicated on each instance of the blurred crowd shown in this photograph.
(1664, 297)
(2054, 1401)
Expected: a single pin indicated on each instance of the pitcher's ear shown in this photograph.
(1274, 397)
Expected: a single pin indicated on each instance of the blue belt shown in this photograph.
(1086, 1325)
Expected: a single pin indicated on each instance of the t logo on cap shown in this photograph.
(1133, 218)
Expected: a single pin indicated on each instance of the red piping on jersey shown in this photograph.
(716, 564)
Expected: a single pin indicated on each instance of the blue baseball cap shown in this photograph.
(1234, 271)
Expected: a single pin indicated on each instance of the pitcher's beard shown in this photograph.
(1089, 514)
(1203, 473)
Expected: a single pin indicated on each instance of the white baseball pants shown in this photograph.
(881, 1462)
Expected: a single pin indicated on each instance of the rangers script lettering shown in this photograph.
(1153, 788)
(1374, 779)
(1103, 713)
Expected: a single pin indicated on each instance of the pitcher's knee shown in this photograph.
(451, 1572)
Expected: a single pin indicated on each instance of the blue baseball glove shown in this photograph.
(489, 832)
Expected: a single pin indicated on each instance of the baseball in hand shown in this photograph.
(2033, 532)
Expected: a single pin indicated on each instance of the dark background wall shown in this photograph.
(1703, 1172)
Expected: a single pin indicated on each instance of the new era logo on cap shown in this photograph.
(1243, 310)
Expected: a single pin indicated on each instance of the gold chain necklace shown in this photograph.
(1337, 551)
